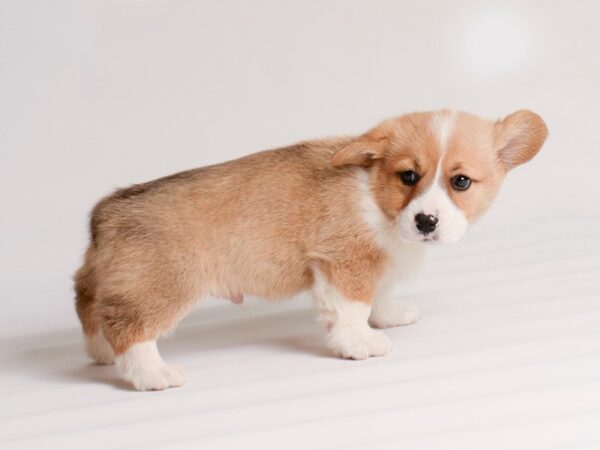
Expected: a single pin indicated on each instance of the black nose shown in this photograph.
(426, 223)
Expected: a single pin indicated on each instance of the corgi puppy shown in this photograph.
(342, 217)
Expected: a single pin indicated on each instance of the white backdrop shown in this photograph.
(100, 94)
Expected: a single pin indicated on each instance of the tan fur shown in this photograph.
(262, 224)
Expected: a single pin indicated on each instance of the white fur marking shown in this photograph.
(443, 124)
(144, 368)
(435, 201)
(350, 335)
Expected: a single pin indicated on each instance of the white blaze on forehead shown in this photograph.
(442, 125)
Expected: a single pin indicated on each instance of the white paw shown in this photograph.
(98, 348)
(358, 343)
(143, 367)
(394, 315)
(158, 379)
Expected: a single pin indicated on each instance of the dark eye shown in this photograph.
(461, 182)
(409, 177)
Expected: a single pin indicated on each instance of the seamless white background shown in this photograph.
(99, 94)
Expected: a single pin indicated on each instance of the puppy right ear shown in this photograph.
(360, 152)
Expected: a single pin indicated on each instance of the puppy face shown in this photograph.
(434, 173)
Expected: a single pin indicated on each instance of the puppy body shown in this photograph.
(331, 216)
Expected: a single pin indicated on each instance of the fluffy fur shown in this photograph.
(332, 216)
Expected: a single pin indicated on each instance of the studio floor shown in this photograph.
(507, 355)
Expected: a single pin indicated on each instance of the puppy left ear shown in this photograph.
(519, 137)
(360, 152)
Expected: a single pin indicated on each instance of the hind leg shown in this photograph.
(99, 349)
(132, 327)
(96, 345)
(142, 365)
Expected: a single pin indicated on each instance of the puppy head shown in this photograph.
(433, 173)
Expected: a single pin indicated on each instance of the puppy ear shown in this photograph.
(519, 137)
(360, 152)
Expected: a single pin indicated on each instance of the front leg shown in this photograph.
(388, 311)
(347, 319)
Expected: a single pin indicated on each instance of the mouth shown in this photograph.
(419, 238)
